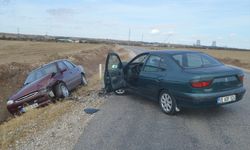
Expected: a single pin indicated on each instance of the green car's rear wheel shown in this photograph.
(167, 103)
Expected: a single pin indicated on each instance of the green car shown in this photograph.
(175, 79)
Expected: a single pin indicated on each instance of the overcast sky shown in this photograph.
(176, 21)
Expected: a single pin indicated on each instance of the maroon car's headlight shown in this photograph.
(10, 102)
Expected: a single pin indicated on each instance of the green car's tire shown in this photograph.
(167, 103)
(120, 92)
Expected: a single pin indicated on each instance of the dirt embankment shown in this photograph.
(11, 77)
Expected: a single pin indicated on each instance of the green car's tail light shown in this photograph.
(201, 84)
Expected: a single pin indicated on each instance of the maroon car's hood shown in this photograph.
(32, 87)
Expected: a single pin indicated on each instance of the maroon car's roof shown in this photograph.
(48, 64)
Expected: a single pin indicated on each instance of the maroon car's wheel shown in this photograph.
(167, 103)
(62, 91)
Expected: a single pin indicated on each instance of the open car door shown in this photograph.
(114, 75)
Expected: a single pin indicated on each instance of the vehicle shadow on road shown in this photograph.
(215, 112)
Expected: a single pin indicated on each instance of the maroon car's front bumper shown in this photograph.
(40, 98)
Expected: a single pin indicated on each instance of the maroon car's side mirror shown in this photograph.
(63, 70)
(53, 74)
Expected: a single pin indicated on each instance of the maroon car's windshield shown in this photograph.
(195, 60)
(39, 73)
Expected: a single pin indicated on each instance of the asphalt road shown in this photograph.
(132, 122)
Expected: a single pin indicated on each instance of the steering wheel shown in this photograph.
(137, 68)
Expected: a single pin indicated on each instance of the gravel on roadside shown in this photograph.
(65, 131)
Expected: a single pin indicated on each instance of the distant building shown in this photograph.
(198, 43)
(65, 40)
(214, 44)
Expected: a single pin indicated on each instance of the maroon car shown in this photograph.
(45, 84)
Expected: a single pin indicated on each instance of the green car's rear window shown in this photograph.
(195, 60)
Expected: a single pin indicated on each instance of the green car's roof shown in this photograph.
(171, 52)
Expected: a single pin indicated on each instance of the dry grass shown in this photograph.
(36, 120)
(124, 55)
(33, 52)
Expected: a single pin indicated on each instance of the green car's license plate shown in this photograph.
(226, 99)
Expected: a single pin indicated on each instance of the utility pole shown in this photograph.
(214, 44)
(167, 40)
(46, 36)
(129, 33)
(18, 32)
(198, 43)
(142, 37)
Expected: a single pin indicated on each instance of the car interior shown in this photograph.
(134, 68)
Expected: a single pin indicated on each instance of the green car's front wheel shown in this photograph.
(120, 92)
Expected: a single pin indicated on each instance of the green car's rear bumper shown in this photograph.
(197, 100)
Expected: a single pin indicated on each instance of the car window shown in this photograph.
(153, 64)
(113, 63)
(163, 64)
(68, 64)
(39, 73)
(178, 59)
(31, 77)
(51, 68)
(61, 65)
(195, 60)
(140, 59)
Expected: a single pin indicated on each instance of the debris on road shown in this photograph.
(103, 93)
(76, 98)
(91, 110)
